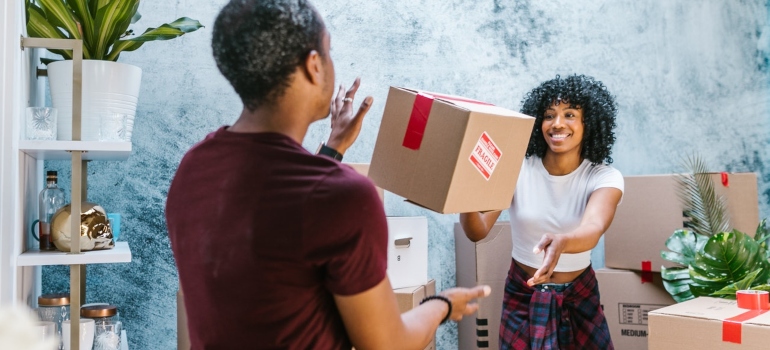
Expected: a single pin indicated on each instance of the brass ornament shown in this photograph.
(95, 230)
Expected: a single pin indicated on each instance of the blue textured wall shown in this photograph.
(688, 76)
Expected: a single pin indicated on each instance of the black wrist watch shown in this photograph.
(329, 152)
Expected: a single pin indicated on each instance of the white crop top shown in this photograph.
(545, 203)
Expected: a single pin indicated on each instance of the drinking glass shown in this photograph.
(113, 127)
(40, 123)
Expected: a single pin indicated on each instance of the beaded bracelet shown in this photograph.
(443, 298)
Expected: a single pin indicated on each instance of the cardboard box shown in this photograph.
(651, 212)
(626, 302)
(410, 298)
(447, 153)
(407, 251)
(363, 169)
(484, 262)
(697, 324)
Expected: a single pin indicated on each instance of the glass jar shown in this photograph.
(54, 308)
(107, 326)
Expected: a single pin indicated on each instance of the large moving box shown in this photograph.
(407, 251)
(410, 298)
(448, 153)
(484, 262)
(704, 324)
(651, 211)
(626, 301)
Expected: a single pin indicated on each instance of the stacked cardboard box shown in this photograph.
(709, 324)
(647, 216)
(484, 262)
(409, 298)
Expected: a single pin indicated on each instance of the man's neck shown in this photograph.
(288, 119)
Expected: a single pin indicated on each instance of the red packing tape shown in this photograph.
(418, 120)
(725, 179)
(646, 272)
(415, 129)
(758, 302)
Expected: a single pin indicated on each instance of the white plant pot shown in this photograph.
(108, 87)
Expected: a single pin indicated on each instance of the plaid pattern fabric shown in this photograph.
(553, 317)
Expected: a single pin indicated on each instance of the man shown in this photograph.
(278, 248)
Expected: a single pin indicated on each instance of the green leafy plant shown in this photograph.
(101, 24)
(714, 262)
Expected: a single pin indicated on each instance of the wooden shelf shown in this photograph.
(34, 257)
(60, 150)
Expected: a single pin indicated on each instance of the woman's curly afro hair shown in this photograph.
(596, 103)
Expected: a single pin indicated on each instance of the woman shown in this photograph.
(565, 199)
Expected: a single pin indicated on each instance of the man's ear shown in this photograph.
(313, 67)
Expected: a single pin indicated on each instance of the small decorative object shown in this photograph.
(54, 308)
(95, 230)
(107, 326)
(51, 199)
(114, 219)
(40, 123)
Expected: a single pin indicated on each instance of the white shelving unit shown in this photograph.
(34, 257)
(62, 150)
(29, 260)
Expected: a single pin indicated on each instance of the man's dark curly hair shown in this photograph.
(258, 44)
(596, 103)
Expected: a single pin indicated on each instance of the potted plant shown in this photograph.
(108, 86)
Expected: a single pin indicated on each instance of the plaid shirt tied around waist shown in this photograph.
(553, 317)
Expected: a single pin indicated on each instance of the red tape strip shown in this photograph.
(418, 120)
(725, 179)
(646, 272)
(758, 302)
(731, 327)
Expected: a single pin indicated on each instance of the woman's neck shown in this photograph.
(561, 164)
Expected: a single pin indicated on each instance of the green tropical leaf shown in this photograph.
(83, 16)
(109, 19)
(676, 281)
(58, 13)
(39, 27)
(706, 210)
(166, 31)
(729, 291)
(727, 258)
(684, 245)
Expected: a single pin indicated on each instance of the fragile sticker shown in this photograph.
(485, 156)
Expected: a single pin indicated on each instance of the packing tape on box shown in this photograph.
(418, 119)
(757, 302)
(646, 271)
(725, 179)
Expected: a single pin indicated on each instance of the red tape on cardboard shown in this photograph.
(418, 119)
(646, 271)
(758, 302)
(725, 179)
(415, 129)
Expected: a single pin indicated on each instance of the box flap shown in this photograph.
(711, 309)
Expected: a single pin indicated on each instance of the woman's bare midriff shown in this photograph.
(556, 277)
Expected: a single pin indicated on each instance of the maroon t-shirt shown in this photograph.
(264, 233)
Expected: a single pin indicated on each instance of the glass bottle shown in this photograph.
(51, 199)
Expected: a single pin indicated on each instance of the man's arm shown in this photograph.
(372, 318)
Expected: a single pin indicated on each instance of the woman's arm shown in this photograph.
(597, 218)
(477, 225)
(373, 321)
